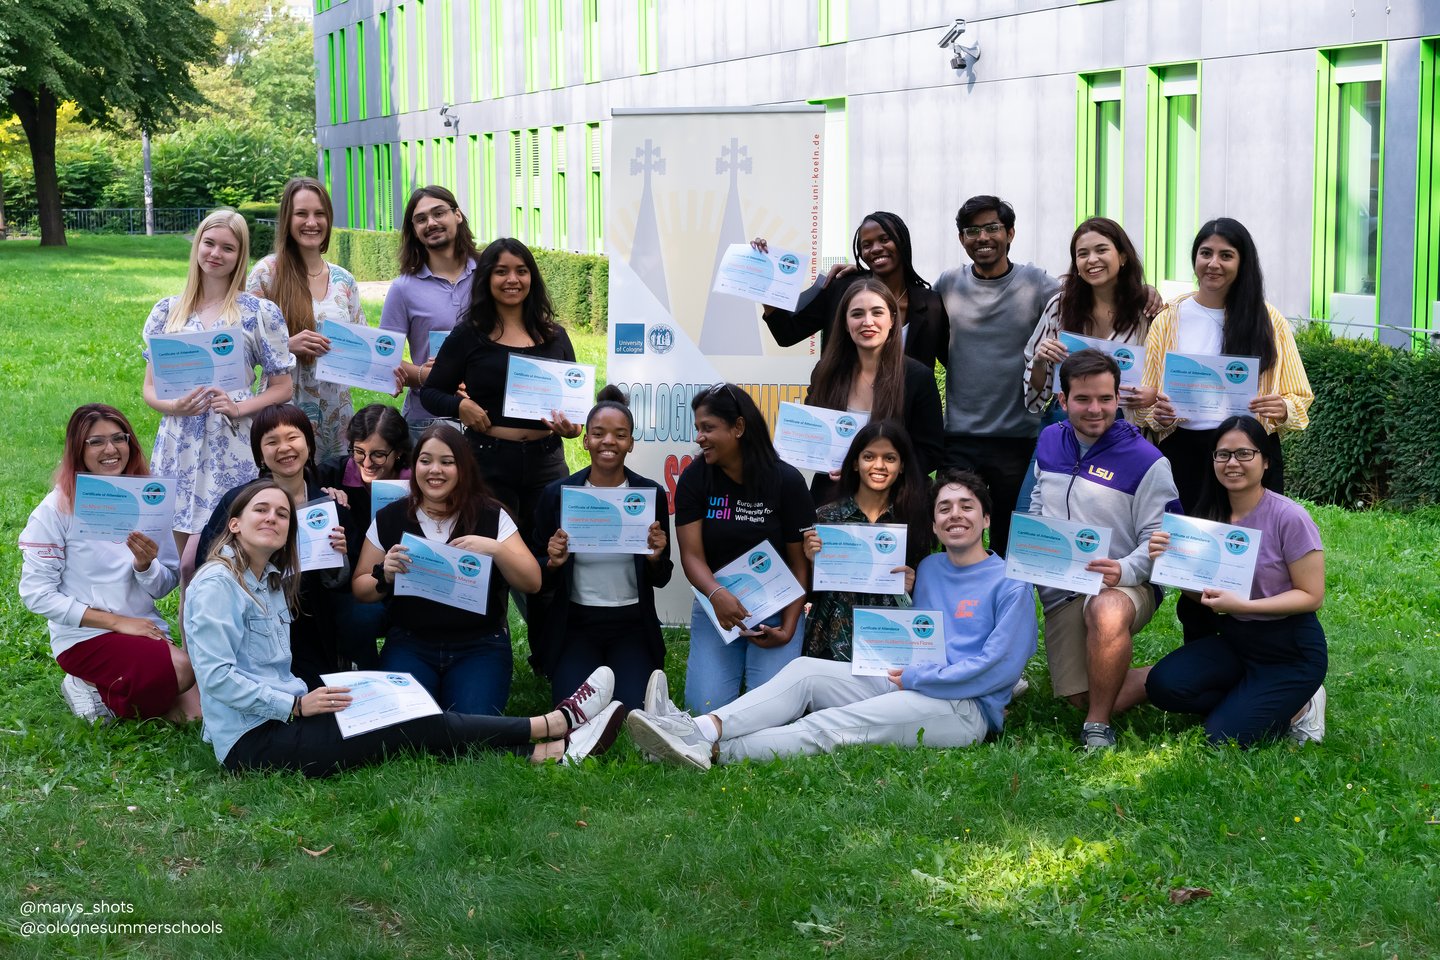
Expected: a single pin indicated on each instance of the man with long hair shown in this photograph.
(437, 260)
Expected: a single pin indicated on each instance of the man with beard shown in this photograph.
(437, 259)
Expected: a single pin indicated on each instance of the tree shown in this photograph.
(266, 69)
(112, 58)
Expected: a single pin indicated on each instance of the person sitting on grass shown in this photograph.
(99, 595)
(1256, 673)
(814, 706)
(259, 716)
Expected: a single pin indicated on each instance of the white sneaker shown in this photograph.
(657, 696)
(594, 737)
(1311, 725)
(1022, 687)
(590, 700)
(84, 700)
(672, 738)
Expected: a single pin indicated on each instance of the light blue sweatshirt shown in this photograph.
(990, 633)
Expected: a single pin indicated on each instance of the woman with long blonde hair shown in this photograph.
(309, 291)
(204, 437)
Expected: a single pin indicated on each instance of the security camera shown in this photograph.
(963, 57)
(953, 34)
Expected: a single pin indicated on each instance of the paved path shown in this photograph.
(373, 289)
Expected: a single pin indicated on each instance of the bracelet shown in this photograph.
(712, 593)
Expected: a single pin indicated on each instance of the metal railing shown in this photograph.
(110, 220)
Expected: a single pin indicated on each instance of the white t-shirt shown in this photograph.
(439, 530)
(1199, 329)
(605, 579)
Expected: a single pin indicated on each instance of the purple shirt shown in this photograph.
(418, 305)
(1286, 534)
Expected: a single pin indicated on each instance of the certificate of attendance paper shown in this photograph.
(760, 580)
(607, 519)
(111, 508)
(775, 277)
(445, 574)
(317, 519)
(858, 557)
(1204, 553)
(360, 356)
(380, 700)
(888, 639)
(815, 438)
(1206, 387)
(1129, 358)
(534, 388)
(180, 362)
(1054, 553)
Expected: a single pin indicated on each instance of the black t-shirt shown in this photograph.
(733, 521)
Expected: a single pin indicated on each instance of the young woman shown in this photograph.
(600, 608)
(1227, 314)
(882, 251)
(509, 315)
(283, 445)
(99, 596)
(734, 496)
(204, 437)
(881, 482)
(462, 657)
(379, 450)
(1257, 673)
(1103, 297)
(308, 292)
(259, 716)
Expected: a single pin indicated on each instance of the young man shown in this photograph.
(813, 706)
(993, 305)
(1101, 471)
(437, 258)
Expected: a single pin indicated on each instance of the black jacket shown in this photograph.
(927, 336)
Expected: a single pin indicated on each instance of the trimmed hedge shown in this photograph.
(1372, 432)
(578, 283)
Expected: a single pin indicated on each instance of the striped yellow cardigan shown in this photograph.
(1285, 377)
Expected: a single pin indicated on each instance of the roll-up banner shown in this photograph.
(683, 186)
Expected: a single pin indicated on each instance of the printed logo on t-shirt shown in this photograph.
(1100, 473)
(742, 511)
(965, 609)
(719, 509)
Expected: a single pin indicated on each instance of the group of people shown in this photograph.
(260, 634)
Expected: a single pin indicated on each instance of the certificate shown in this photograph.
(1204, 553)
(1205, 387)
(385, 492)
(436, 338)
(607, 519)
(359, 356)
(1130, 359)
(775, 277)
(815, 438)
(760, 580)
(111, 508)
(445, 574)
(180, 362)
(534, 388)
(317, 519)
(858, 557)
(1053, 552)
(380, 700)
(887, 639)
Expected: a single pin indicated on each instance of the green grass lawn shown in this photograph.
(1020, 848)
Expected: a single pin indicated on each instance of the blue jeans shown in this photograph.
(715, 669)
(1053, 414)
(357, 627)
(466, 675)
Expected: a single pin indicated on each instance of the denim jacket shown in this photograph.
(240, 648)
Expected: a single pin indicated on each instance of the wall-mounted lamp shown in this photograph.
(962, 57)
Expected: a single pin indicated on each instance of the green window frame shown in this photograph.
(834, 21)
(1349, 184)
(384, 187)
(362, 73)
(1427, 196)
(649, 18)
(517, 184)
(590, 38)
(447, 52)
(556, 29)
(491, 214)
(474, 177)
(449, 175)
(386, 78)
(497, 49)
(530, 25)
(535, 184)
(559, 202)
(402, 60)
(334, 86)
(1172, 170)
(477, 47)
(329, 157)
(343, 69)
(1100, 146)
(422, 57)
(404, 170)
(594, 199)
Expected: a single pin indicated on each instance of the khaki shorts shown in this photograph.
(1065, 637)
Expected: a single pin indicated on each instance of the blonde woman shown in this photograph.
(204, 436)
(309, 291)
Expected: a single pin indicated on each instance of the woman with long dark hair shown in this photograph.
(735, 495)
(463, 658)
(865, 370)
(882, 251)
(510, 315)
(1227, 314)
(260, 716)
(881, 482)
(98, 595)
(309, 290)
(1257, 672)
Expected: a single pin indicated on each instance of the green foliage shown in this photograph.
(570, 279)
(1413, 449)
(87, 167)
(368, 254)
(266, 70)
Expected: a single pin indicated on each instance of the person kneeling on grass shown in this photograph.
(258, 715)
(813, 706)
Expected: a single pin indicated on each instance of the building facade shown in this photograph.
(1314, 122)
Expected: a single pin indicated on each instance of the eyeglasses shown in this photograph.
(114, 440)
(1244, 455)
(420, 219)
(992, 229)
(729, 390)
(372, 456)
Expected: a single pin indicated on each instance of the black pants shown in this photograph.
(1248, 679)
(605, 636)
(1189, 454)
(1001, 463)
(313, 745)
(516, 471)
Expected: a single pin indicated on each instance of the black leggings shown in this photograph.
(313, 745)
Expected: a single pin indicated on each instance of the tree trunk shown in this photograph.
(37, 113)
